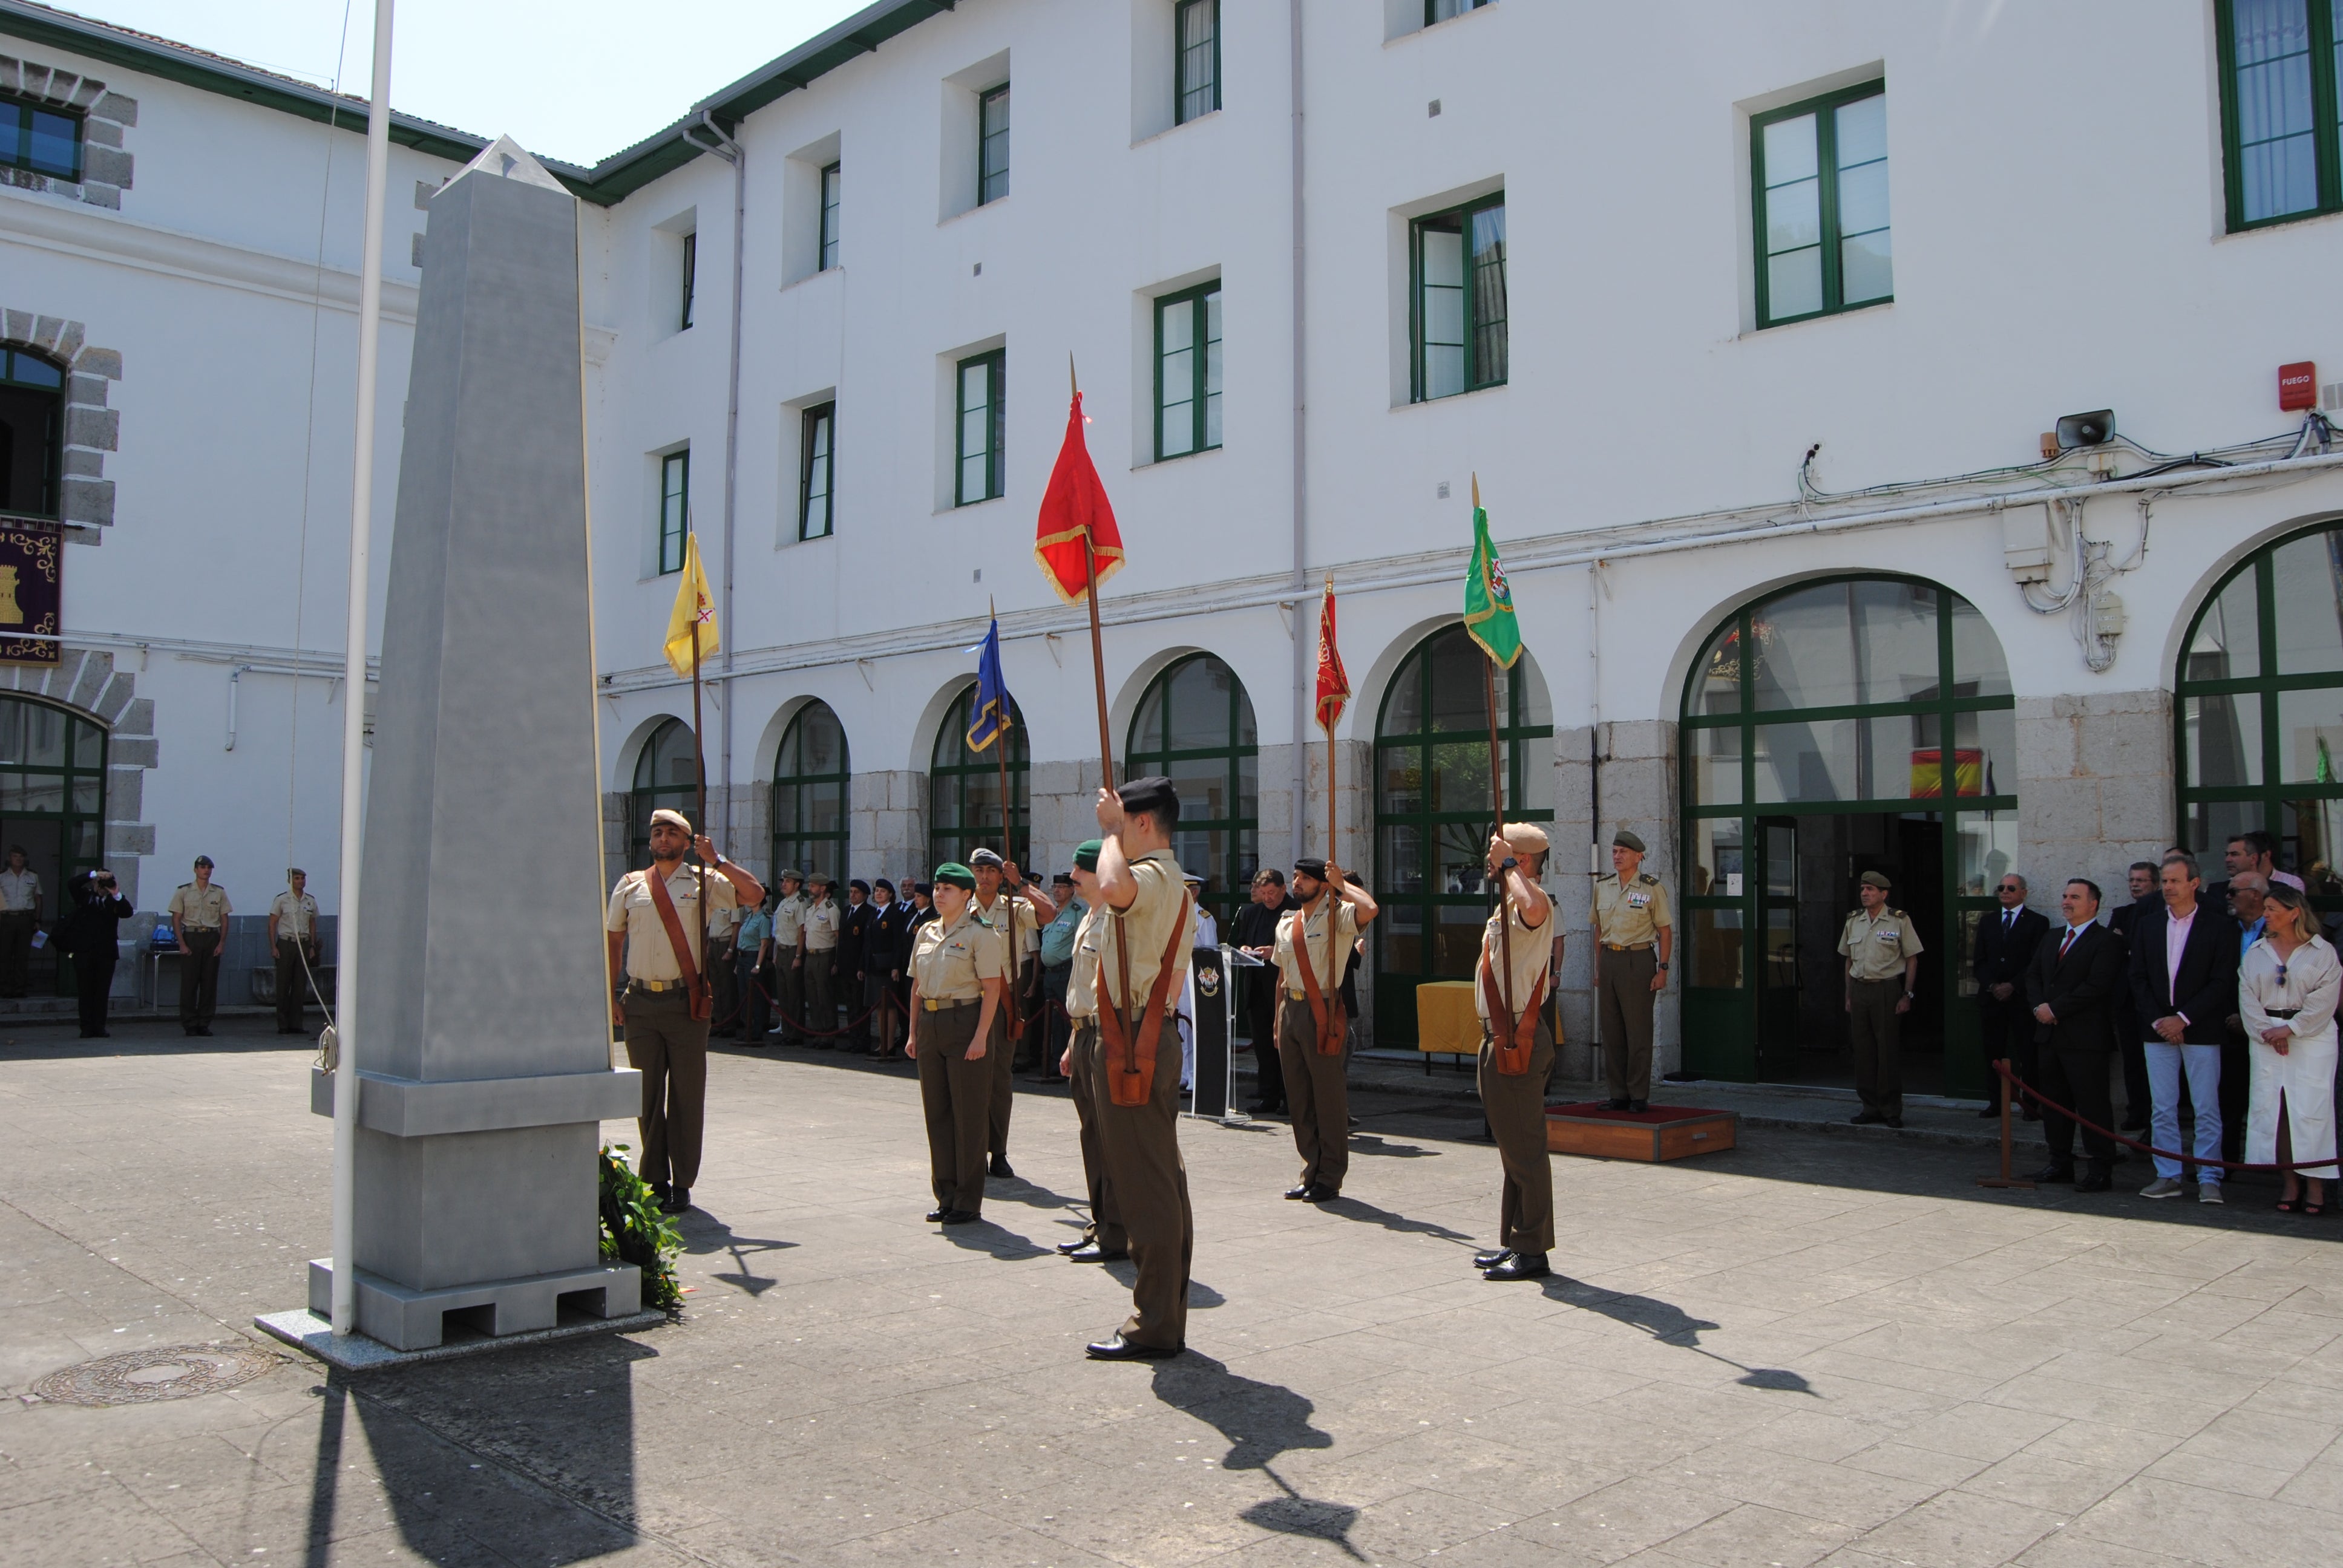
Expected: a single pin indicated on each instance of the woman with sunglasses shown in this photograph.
(2286, 992)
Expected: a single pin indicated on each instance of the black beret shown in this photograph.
(984, 858)
(1310, 865)
(1153, 795)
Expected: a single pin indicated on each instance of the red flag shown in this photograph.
(1075, 504)
(1333, 684)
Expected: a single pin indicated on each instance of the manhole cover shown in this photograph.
(166, 1371)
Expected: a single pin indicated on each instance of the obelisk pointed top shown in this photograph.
(507, 159)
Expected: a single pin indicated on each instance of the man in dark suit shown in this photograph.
(1255, 930)
(2077, 974)
(2006, 941)
(853, 938)
(2184, 980)
(885, 952)
(2129, 1031)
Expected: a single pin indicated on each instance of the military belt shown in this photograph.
(1626, 947)
(637, 983)
(946, 1004)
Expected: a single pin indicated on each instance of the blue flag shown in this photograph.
(989, 712)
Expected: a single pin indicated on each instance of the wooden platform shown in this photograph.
(1660, 1133)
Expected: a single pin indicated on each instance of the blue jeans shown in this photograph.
(2202, 1063)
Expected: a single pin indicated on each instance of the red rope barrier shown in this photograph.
(2023, 1088)
(791, 1024)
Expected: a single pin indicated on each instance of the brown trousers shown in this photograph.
(292, 986)
(952, 1092)
(1106, 1221)
(200, 969)
(670, 1048)
(1515, 1108)
(1625, 998)
(1004, 1092)
(1875, 1031)
(1316, 1095)
(1141, 1144)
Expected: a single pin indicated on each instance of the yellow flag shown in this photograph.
(695, 613)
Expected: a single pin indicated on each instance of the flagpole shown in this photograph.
(1327, 722)
(353, 673)
(700, 760)
(1497, 806)
(1097, 652)
(1009, 854)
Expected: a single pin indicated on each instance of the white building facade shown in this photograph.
(1749, 326)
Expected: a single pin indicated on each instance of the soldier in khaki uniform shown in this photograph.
(1633, 934)
(1021, 929)
(1883, 966)
(1310, 1023)
(819, 936)
(1102, 1239)
(1145, 939)
(789, 958)
(958, 969)
(293, 939)
(665, 1042)
(1513, 976)
(199, 912)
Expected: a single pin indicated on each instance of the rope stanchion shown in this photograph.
(2019, 1084)
(2005, 1179)
(851, 1024)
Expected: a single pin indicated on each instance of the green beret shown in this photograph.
(952, 874)
(1624, 839)
(1086, 854)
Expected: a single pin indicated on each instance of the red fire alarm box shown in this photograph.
(2297, 385)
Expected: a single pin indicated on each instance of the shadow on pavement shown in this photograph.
(1368, 1144)
(984, 1236)
(1261, 1422)
(1669, 1324)
(1352, 1208)
(703, 1234)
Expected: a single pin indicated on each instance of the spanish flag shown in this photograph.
(693, 621)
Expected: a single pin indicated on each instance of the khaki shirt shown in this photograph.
(1327, 966)
(723, 922)
(1632, 915)
(1082, 980)
(1533, 951)
(951, 962)
(20, 891)
(296, 919)
(1030, 921)
(1876, 946)
(199, 909)
(632, 910)
(822, 926)
(1148, 926)
(789, 920)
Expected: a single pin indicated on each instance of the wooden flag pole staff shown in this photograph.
(1008, 853)
(700, 822)
(1098, 653)
(1497, 805)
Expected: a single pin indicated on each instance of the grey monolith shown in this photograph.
(482, 1023)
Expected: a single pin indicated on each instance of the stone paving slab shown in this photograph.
(1806, 1351)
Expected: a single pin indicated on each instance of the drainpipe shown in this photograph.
(1302, 650)
(726, 148)
(234, 683)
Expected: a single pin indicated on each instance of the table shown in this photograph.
(1446, 1021)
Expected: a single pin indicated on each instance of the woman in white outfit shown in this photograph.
(2286, 992)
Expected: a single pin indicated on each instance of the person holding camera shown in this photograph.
(88, 935)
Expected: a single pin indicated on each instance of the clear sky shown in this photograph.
(574, 79)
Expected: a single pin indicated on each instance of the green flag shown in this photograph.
(1488, 599)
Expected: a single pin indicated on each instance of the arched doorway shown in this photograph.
(810, 783)
(667, 775)
(1432, 814)
(1815, 748)
(2260, 688)
(964, 788)
(1195, 726)
(31, 431)
(52, 806)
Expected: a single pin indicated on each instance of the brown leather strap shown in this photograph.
(1518, 1037)
(703, 1004)
(1327, 1017)
(1133, 1081)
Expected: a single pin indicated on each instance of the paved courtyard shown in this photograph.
(1810, 1350)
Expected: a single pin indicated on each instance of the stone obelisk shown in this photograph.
(483, 1010)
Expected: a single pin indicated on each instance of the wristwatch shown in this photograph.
(1663, 964)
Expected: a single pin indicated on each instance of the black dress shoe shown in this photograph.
(677, 1201)
(2098, 1178)
(960, 1216)
(1065, 1249)
(937, 1216)
(1491, 1260)
(1639, 1105)
(1094, 1253)
(999, 1167)
(1321, 1194)
(1618, 1103)
(1520, 1266)
(1866, 1119)
(1990, 1114)
(1299, 1194)
(2053, 1172)
(1115, 1348)
(1896, 1121)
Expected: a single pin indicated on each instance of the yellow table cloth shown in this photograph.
(1445, 1020)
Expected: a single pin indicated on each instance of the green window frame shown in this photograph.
(2257, 723)
(1188, 372)
(32, 399)
(1438, 11)
(1457, 299)
(675, 509)
(992, 144)
(964, 788)
(812, 782)
(1431, 815)
(831, 187)
(1818, 176)
(2281, 131)
(1194, 726)
(816, 471)
(667, 778)
(1195, 60)
(690, 280)
(42, 138)
(979, 426)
